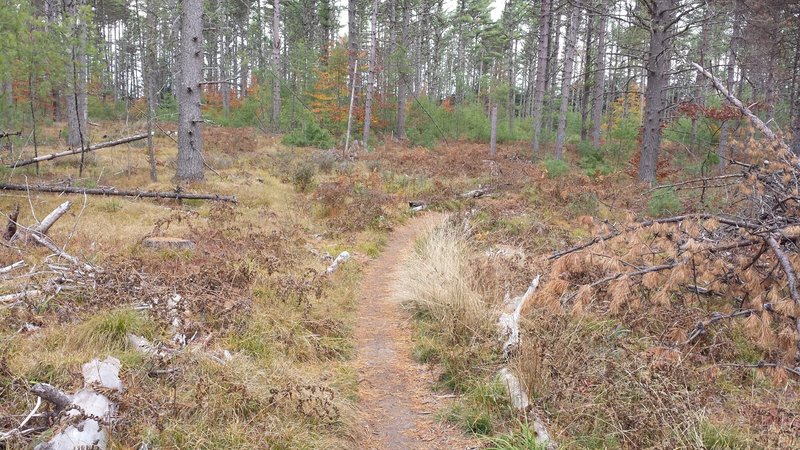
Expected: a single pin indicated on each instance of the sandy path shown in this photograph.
(398, 404)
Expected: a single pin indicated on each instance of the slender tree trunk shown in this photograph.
(587, 73)
(493, 138)
(276, 64)
(149, 88)
(599, 77)
(655, 102)
(795, 145)
(541, 74)
(352, 41)
(371, 75)
(566, 80)
(77, 117)
(32, 99)
(699, 81)
(733, 48)
(190, 142)
(402, 88)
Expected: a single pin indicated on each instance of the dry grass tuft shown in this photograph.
(437, 281)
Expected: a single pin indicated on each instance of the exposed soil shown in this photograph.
(398, 404)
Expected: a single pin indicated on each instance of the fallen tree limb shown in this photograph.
(178, 195)
(51, 218)
(76, 151)
(11, 267)
(738, 104)
(18, 295)
(18, 430)
(87, 413)
(508, 323)
(10, 133)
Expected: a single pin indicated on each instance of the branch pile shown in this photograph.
(740, 263)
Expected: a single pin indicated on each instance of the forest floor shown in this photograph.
(278, 354)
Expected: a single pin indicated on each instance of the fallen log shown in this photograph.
(10, 133)
(508, 324)
(88, 412)
(77, 151)
(111, 191)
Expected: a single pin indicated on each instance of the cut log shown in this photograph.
(77, 151)
(110, 191)
(162, 242)
(88, 411)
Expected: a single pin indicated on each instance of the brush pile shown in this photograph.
(736, 262)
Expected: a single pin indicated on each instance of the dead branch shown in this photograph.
(110, 191)
(763, 364)
(76, 151)
(52, 395)
(698, 180)
(791, 278)
(51, 218)
(12, 267)
(18, 429)
(671, 265)
(738, 104)
(18, 295)
(702, 327)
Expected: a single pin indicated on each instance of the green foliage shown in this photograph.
(663, 202)
(555, 167)
(722, 437)
(303, 177)
(107, 110)
(309, 135)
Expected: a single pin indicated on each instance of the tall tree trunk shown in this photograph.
(402, 87)
(587, 73)
(373, 42)
(149, 89)
(276, 64)
(566, 80)
(657, 65)
(599, 77)
(733, 48)
(190, 141)
(493, 136)
(795, 145)
(461, 82)
(541, 74)
(699, 82)
(352, 41)
(77, 118)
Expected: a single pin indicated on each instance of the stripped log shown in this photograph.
(508, 323)
(77, 151)
(86, 413)
(51, 218)
(12, 267)
(344, 256)
(111, 191)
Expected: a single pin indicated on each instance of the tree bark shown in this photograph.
(276, 64)
(371, 75)
(587, 66)
(352, 42)
(657, 65)
(599, 77)
(77, 118)
(190, 142)
(402, 87)
(541, 74)
(566, 80)
(148, 71)
(493, 138)
(733, 48)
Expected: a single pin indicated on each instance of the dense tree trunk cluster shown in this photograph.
(626, 64)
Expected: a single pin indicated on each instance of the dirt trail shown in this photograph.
(398, 404)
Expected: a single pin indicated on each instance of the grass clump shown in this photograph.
(310, 135)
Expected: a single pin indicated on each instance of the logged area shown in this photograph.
(397, 224)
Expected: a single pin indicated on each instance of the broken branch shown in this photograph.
(76, 151)
(120, 193)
